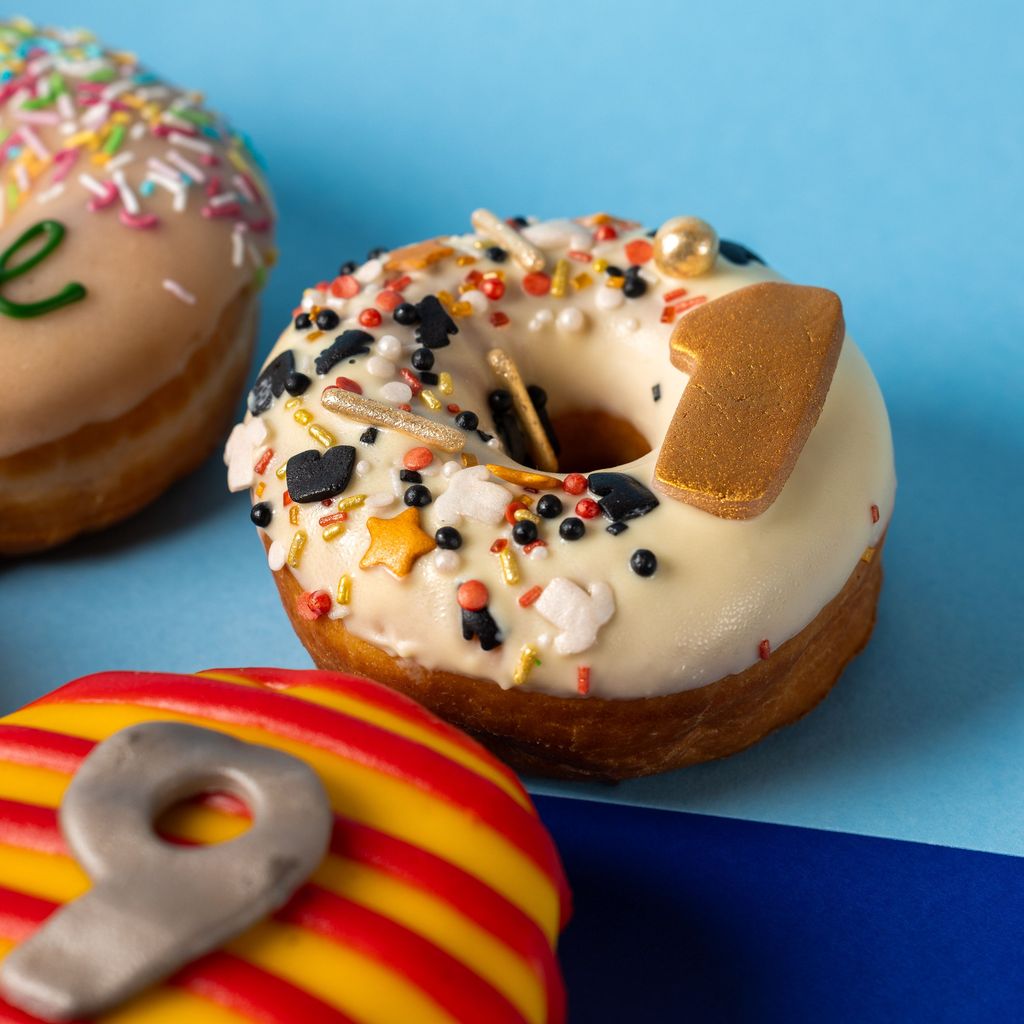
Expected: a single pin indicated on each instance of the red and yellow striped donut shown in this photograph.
(441, 897)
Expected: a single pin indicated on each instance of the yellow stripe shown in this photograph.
(32, 785)
(398, 724)
(360, 794)
(341, 977)
(47, 876)
(161, 1006)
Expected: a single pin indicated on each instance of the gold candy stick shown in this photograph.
(508, 374)
(527, 255)
(366, 410)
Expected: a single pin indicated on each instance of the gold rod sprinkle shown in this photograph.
(508, 374)
(295, 549)
(527, 255)
(509, 566)
(366, 410)
(345, 589)
(524, 666)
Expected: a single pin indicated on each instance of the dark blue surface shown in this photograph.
(684, 917)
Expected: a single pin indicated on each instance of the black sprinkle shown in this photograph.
(622, 496)
(428, 378)
(615, 271)
(369, 435)
(736, 253)
(296, 383)
(571, 528)
(508, 427)
(422, 359)
(345, 346)
(261, 514)
(348, 267)
(484, 436)
(303, 322)
(519, 222)
(634, 287)
(656, 392)
(406, 314)
(616, 528)
(327, 319)
(435, 324)
(524, 532)
(643, 562)
(549, 506)
(496, 253)
(652, 232)
(417, 496)
(481, 624)
(409, 476)
(467, 420)
(448, 538)
(270, 383)
(539, 400)
(375, 254)
(314, 477)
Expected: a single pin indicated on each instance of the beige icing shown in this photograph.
(722, 586)
(96, 359)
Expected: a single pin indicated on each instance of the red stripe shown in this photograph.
(447, 981)
(38, 748)
(377, 695)
(237, 985)
(36, 828)
(21, 915)
(339, 734)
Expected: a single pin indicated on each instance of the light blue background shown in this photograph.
(875, 148)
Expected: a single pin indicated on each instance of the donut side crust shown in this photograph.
(591, 738)
(107, 471)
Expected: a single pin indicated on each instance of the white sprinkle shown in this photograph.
(380, 367)
(245, 188)
(177, 139)
(539, 553)
(47, 117)
(180, 201)
(276, 556)
(571, 320)
(128, 197)
(173, 185)
(178, 292)
(65, 106)
(121, 160)
(95, 116)
(396, 391)
(476, 299)
(362, 467)
(397, 484)
(50, 193)
(237, 245)
(21, 173)
(379, 500)
(446, 561)
(152, 92)
(34, 143)
(115, 89)
(186, 165)
(451, 467)
(388, 346)
(369, 271)
(335, 303)
(89, 182)
(541, 319)
(137, 131)
(610, 298)
(158, 165)
(223, 199)
(558, 234)
(626, 324)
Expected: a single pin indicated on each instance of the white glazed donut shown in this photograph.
(657, 598)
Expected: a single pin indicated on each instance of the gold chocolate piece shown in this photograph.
(685, 247)
(418, 256)
(396, 543)
(524, 478)
(366, 410)
(760, 361)
(527, 255)
(507, 373)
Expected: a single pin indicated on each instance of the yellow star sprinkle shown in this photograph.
(396, 543)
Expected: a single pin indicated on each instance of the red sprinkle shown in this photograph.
(472, 595)
(405, 407)
(639, 250)
(676, 293)
(587, 508)
(583, 680)
(264, 460)
(668, 314)
(345, 287)
(499, 545)
(348, 384)
(388, 300)
(412, 380)
(764, 650)
(334, 517)
(574, 483)
(874, 514)
(537, 283)
(510, 512)
(527, 548)
(579, 256)
(499, 319)
(528, 597)
(370, 318)
(493, 288)
(287, 499)
(690, 303)
(399, 283)
(417, 458)
(605, 233)
(311, 605)
(453, 408)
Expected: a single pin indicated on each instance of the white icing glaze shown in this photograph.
(721, 587)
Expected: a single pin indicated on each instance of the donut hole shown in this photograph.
(205, 819)
(592, 439)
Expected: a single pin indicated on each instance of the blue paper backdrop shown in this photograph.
(875, 148)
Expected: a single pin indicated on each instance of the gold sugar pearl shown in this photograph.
(685, 247)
